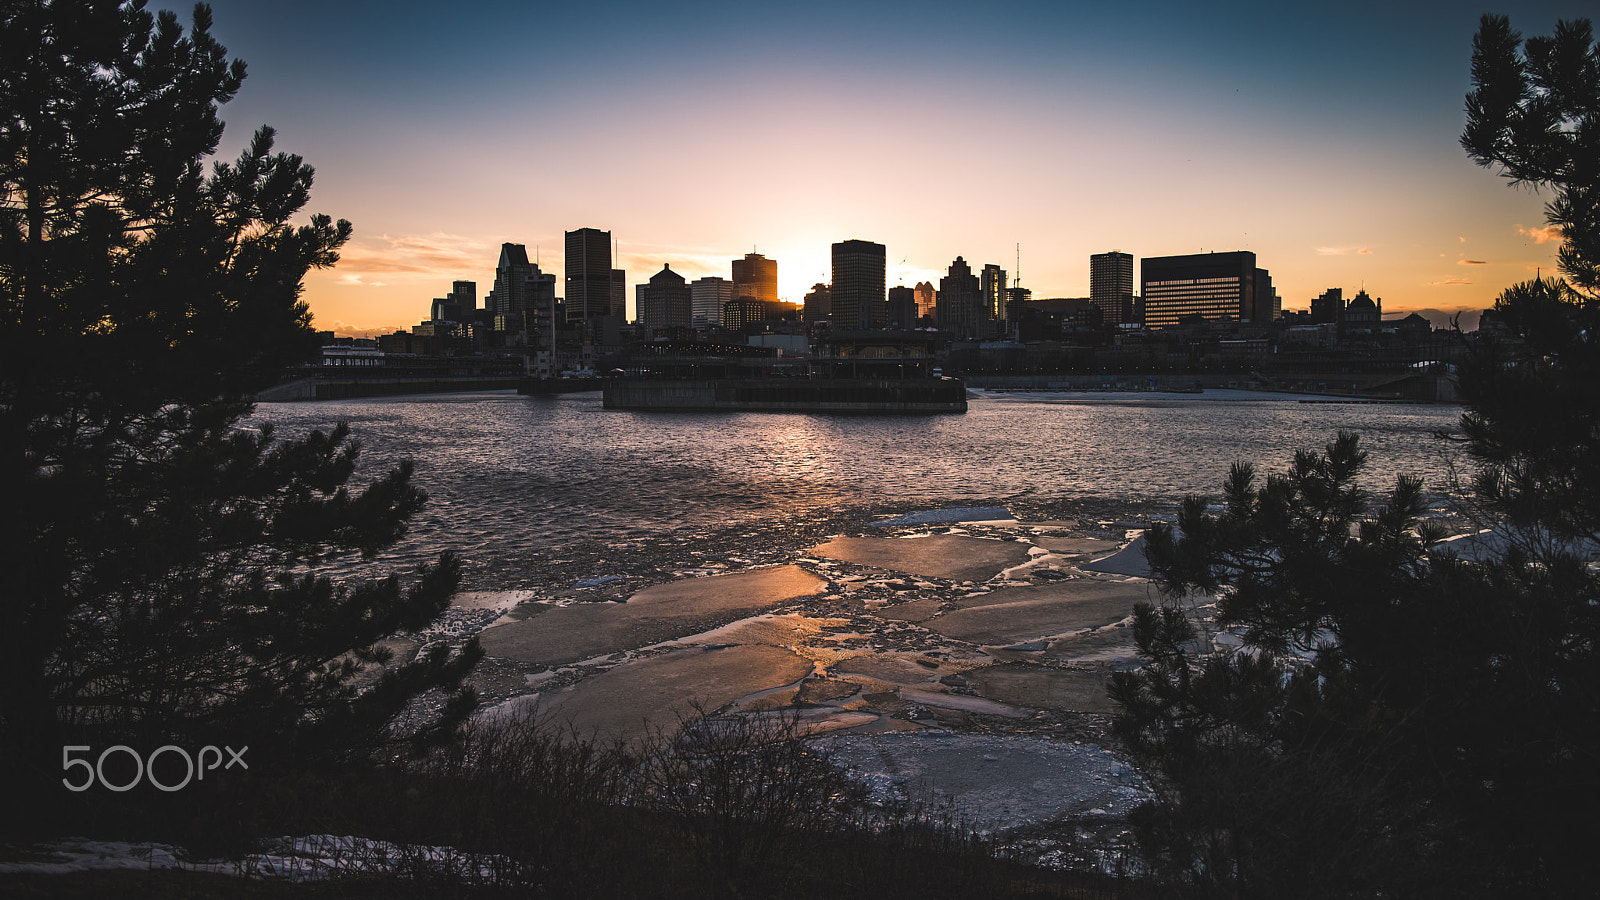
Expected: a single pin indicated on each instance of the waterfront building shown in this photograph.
(1111, 285)
(666, 302)
(589, 275)
(961, 302)
(709, 294)
(755, 276)
(1208, 286)
(860, 274)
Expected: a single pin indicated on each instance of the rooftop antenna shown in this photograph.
(1017, 282)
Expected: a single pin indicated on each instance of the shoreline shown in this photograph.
(926, 642)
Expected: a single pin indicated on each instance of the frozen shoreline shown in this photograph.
(963, 624)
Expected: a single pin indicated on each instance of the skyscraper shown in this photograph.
(1016, 300)
(465, 295)
(619, 294)
(708, 295)
(509, 295)
(961, 302)
(860, 273)
(589, 275)
(993, 285)
(1209, 286)
(755, 276)
(902, 307)
(523, 297)
(1111, 285)
(927, 299)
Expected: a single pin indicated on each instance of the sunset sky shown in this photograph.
(1324, 140)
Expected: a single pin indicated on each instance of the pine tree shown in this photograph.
(1403, 719)
(160, 562)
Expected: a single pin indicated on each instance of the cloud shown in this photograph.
(1543, 235)
(1451, 281)
(1343, 251)
(445, 256)
(1472, 262)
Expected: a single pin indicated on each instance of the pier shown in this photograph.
(872, 396)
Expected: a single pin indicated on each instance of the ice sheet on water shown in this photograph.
(947, 515)
(500, 601)
(1127, 561)
(997, 783)
(1490, 543)
(597, 581)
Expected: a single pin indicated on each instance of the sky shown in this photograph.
(1325, 139)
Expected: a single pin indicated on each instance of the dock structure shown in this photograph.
(870, 396)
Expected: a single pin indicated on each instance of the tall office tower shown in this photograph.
(961, 302)
(465, 294)
(619, 295)
(993, 284)
(1209, 286)
(1111, 285)
(539, 316)
(927, 299)
(755, 276)
(860, 272)
(522, 294)
(902, 307)
(509, 296)
(1268, 305)
(589, 274)
(818, 304)
(666, 302)
(709, 294)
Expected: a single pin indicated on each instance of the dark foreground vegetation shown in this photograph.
(1406, 719)
(729, 807)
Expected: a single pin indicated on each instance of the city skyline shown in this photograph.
(1326, 145)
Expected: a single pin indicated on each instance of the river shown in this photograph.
(535, 492)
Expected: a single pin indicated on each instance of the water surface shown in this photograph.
(534, 490)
